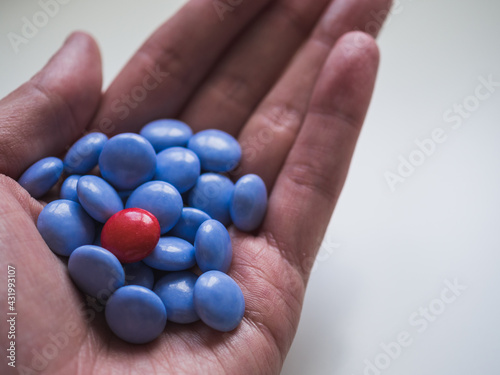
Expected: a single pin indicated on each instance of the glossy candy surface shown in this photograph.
(218, 151)
(68, 188)
(161, 199)
(166, 133)
(188, 224)
(139, 274)
(95, 271)
(64, 225)
(172, 254)
(218, 301)
(176, 290)
(248, 203)
(83, 156)
(131, 234)
(127, 161)
(136, 314)
(98, 198)
(178, 166)
(212, 194)
(212, 246)
(41, 176)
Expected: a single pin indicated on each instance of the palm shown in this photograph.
(297, 127)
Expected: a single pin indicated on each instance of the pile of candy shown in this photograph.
(154, 212)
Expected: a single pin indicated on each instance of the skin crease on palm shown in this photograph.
(290, 69)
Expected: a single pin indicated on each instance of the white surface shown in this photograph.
(387, 253)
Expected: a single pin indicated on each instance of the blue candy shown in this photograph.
(166, 133)
(41, 176)
(248, 203)
(98, 198)
(127, 161)
(159, 198)
(139, 274)
(212, 247)
(64, 225)
(176, 291)
(217, 150)
(84, 154)
(136, 314)
(68, 188)
(96, 271)
(218, 301)
(171, 254)
(212, 194)
(178, 166)
(188, 224)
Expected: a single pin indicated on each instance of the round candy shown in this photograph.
(212, 247)
(84, 154)
(41, 176)
(139, 274)
(127, 160)
(166, 133)
(98, 198)
(161, 199)
(136, 314)
(178, 166)
(96, 271)
(248, 203)
(217, 150)
(64, 225)
(212, 194)
(131, 234)
(218, 301)
(176, 291)
(188, 224)
(171, 254)
(68, 188)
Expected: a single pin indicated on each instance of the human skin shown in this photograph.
(288, 78)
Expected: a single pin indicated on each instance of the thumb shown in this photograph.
(48, 112)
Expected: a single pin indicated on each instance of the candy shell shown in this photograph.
(69, 188)
(41, 176)
(139, 274)
(218, 151)
(212, 247)
(166, 133)
(127, 160)
(218, 301)
(136, 314)
(83, 156)
(96, 271)
(161, 199)
(131, 234)
(188, 224)
(65, 226)
(212, 194)
(178, 166)
(98, 198)
(171, 254)
(248, 203)
(176, 290)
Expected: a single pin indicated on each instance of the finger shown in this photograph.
(245, 74)
(310, 182)
(47, 113)
(163, 73)
(269, 134)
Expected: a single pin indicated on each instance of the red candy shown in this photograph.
(131, 234)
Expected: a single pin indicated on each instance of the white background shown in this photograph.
(387, 253)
